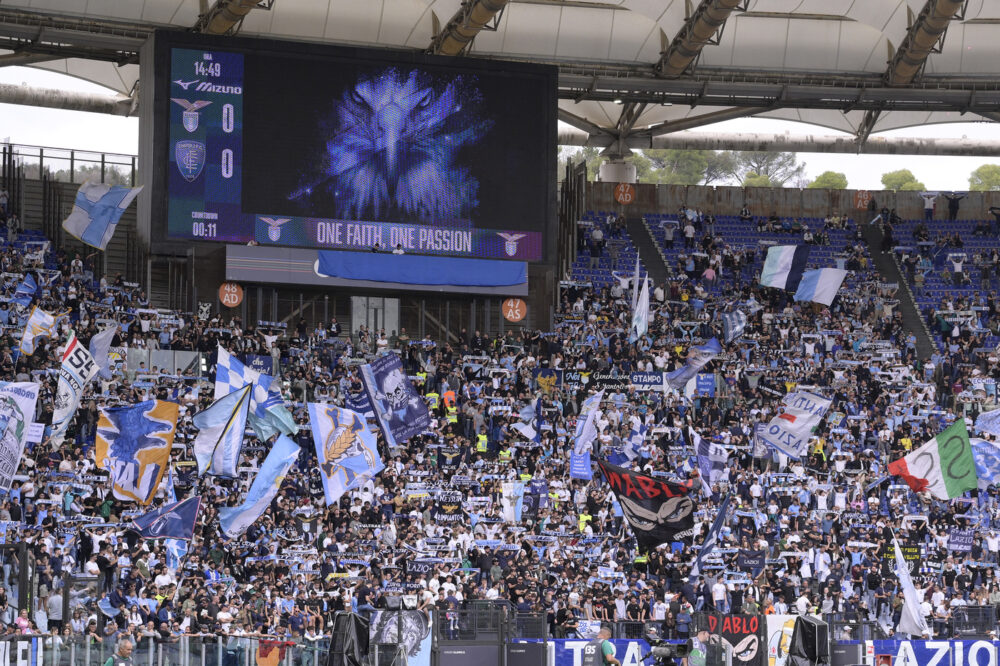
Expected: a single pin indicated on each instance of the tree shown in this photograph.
(902, 180)
(752, 179)
(779, 168)
(719, 166)
(676, 167)
(829, 180)
(985, 179)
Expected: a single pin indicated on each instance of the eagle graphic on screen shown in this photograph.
(391, 150)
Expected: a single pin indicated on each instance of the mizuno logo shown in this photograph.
(185, 84)
(205, 86)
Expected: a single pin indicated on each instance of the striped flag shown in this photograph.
(784, 266)
(711, 538)
(820, 286)
(712, 460)
(945, 466)
(733, 325)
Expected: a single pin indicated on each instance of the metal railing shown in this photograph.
(174, 651)
(69, 165)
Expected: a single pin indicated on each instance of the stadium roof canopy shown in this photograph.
(631, 69)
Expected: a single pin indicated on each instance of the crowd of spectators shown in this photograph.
(825, 521)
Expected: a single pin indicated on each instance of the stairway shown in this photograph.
(888, 268)
(649, 251)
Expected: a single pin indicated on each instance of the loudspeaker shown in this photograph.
(810, 642)
(526, 654)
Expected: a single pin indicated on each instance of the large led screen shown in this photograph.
(348, 148)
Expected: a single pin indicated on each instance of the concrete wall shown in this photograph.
(787, 202)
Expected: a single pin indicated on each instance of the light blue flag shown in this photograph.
(640, 315)
(268, 415)
(176, 549)
(96, 212)
(821, 285)
(25, 291)
(220, 438)
(987, 457)
(234, 520)
(712, 537)
(100, 349)
(580, 467)
(989, 422)
(345, 447)
(698, 357)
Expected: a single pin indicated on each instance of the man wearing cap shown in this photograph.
(600, 651)
(697, 649)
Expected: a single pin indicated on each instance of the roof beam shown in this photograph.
(63, 99)
(581, 123)
(790, 143)
(472, 17)
(691, 122)
(698, 30)
(910, 58)
(226, 16)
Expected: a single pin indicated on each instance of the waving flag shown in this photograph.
(912, 620)
(712, 537)
(234, 520)
(945, 466)
(401, 413)
(784, 266)
(220, 438)
(989, 422)
(698, 357)
(17, 412)
(25, 291)
(96, 212)
(657, 511)
(987, 457)
(820, 286)
(133, 444)
(789, 432)
(712, 460)
(345, 448)
(733, 325)
(100, 349)
(171, 521)
(268, 415)
(640, 315)
(78, 368)
(586, 428)
(40, 324)
(635, 282)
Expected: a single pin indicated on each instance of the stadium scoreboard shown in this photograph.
(323, 147)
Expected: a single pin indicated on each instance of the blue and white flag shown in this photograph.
(345, 448)
(78, 368)
(784, 266)
(640, 314)
(170, 521)
(40, 324)
(511, 501)
(399, 410)
(25, 291)
(268, 415)
(17, 413)
(712, 460)
(221, 428)
(587, 433)
(636, 437)
(235, 520)
(733, 325)
(712, 537)
(133, 444)
(989, 422)
(987, 457)
(820, 286)
(789, 432)
(360, 403)
(698, 357)
(635, 282)
(96, 212)
(100, 349)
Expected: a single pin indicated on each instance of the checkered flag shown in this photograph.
(268, 415)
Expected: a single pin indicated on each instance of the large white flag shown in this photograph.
(789, 432)
(635, 282)
(911, 621)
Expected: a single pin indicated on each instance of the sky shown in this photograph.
(92, 131)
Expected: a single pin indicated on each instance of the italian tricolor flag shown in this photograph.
(944, 466)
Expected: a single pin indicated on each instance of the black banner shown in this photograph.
(752, 561)
(448, 457)
(447, 512)
(417, 568)
(743, 633)
(658, 511)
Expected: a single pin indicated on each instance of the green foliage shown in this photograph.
(829, 180)
(777, 168)
(985, 179)
(902, 180)
(752, 179)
